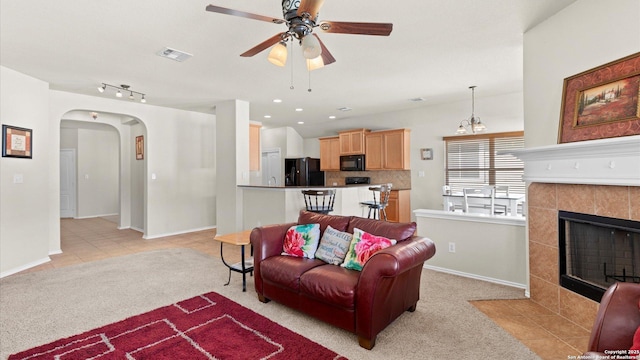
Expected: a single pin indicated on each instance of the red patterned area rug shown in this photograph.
(208, 326)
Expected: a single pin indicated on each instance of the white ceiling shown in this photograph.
(436, 51)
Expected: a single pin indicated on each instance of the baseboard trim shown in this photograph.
(25, 267)
(94, 216)
(150, 237)
(477, 277)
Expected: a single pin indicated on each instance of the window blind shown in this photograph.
(473, 161)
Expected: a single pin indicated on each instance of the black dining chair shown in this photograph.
(380, 201)
(319, 201)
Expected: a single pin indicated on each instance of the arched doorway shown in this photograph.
(110, 180)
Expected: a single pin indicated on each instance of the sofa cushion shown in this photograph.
(285, 271)
(362, 246)
(331, 284)
(398, 231)
(337, 222)
(301, 240)
(333, 246)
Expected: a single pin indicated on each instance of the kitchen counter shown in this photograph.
(280, 187)
(264, 205)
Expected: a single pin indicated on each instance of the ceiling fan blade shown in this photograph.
(311, 7)
(263, 45)
(358, 28)
(327, 58)
(221, 10)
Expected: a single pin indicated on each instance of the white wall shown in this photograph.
(98, 173)
(582, 36)
(25, 209)
(180, 150)
(482, 249)
(138, 177)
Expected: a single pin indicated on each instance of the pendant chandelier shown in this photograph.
(473, 123)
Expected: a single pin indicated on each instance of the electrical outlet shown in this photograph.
(452, 247)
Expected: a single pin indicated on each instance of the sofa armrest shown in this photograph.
(390, 284)
(266, 241)
(398, 258)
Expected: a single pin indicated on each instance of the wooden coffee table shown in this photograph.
(244, 266)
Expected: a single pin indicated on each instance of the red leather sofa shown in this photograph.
(362, 302)
(617, 321)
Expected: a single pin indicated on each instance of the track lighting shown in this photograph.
(122, 88)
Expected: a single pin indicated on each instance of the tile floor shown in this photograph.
(547, 334)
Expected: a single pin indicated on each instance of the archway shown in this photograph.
(110, 178)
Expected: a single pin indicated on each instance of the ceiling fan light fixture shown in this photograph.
(311, 48)
(315, 63)
(278, 54)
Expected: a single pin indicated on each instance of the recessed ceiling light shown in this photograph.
(300, 122)
(299, 109)
(345, 108)
(267, 116)
(332, 117)
(277, 100)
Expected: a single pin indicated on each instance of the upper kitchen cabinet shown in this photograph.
(388, 150)
(254, 147)
(330, 153)
(352, 141)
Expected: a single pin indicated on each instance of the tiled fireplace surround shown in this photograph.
(600, 177)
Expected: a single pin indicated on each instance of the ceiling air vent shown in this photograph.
(174, 54)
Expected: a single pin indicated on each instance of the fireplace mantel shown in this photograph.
(614, 161)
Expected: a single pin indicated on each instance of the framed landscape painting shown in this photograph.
(602, 102)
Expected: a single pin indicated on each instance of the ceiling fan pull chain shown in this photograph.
(309, 89)
(291, 87)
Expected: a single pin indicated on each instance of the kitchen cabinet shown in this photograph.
(330, 153)
(399, 206)
(388, 150)
(352, 141)
(254, 147)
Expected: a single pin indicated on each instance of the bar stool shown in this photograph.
(319, 201)
(378, 206)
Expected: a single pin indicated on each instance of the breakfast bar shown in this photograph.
(264, 205)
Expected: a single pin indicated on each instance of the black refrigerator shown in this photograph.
(303, 172)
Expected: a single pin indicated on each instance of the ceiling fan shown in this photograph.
(301, 18)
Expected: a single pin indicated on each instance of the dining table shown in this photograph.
(510, 201)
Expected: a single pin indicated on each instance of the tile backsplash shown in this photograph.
(401, 179)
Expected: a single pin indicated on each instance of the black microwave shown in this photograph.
(352, 163)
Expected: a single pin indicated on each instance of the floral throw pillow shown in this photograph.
(362, 246)
(302, 240)
(333, 246)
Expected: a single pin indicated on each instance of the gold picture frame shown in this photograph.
(602, 102)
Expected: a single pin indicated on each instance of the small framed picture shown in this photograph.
(16, 142)
(426, 154)
(139, 147)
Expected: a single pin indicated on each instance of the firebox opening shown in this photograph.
(596, 252)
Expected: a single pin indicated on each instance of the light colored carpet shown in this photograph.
(40, 307)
